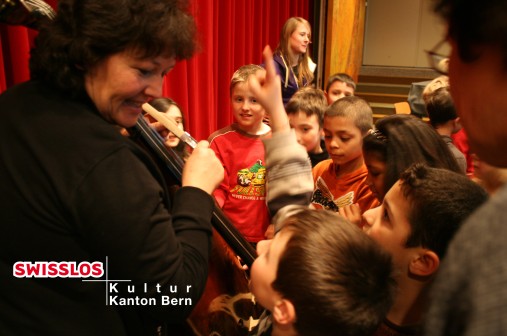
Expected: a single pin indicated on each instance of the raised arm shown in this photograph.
(268, 90)
(289, 178)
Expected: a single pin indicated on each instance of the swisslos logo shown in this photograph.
(53, 269)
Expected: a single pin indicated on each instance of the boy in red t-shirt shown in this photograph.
(242, 194)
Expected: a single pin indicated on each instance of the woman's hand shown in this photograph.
(203, 170)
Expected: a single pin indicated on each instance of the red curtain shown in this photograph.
(231, 33)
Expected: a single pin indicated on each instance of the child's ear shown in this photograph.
(284, 313)
(457, 123)
(426, 263)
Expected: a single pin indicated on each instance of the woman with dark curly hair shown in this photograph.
(82, 201)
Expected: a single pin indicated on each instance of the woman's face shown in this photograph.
(300, 39)
(121, 83)
(174, 112)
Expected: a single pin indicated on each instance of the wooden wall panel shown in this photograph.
(345, 37)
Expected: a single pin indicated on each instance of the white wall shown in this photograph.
(398, 31)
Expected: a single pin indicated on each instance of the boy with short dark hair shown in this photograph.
(416, 222)
(338, 86)
(444, 119)
(321, 275)
(306, 115)
(341, 180)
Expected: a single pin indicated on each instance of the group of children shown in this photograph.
(320, 274)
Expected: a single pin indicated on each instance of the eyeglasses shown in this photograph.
(438, 61)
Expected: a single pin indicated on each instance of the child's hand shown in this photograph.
(270, 232)
(353, 213)
(267, 88)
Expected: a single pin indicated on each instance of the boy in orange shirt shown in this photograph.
(341, 180)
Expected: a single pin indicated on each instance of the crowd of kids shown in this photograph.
(392, 173)
(313, 279)
(360, 228)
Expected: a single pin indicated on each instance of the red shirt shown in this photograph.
(242, 194)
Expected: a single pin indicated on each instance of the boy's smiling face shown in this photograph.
(344, 141)
(248, 112)
(265, 267)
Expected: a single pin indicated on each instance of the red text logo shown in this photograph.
(53, 269)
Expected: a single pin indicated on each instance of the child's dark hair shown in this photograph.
(354, 108)
(309, 100)
(342, 77)
(403, 140)
(440, 200)
(440, 106)
(337, 277)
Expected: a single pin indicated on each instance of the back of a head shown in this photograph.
(242, 74)
(85, 32)
(337, 277)
(433, 85)
(354, 108)
(408, 140)
(440, 200)
(342, 77)
(310, 101)
(440, 107)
